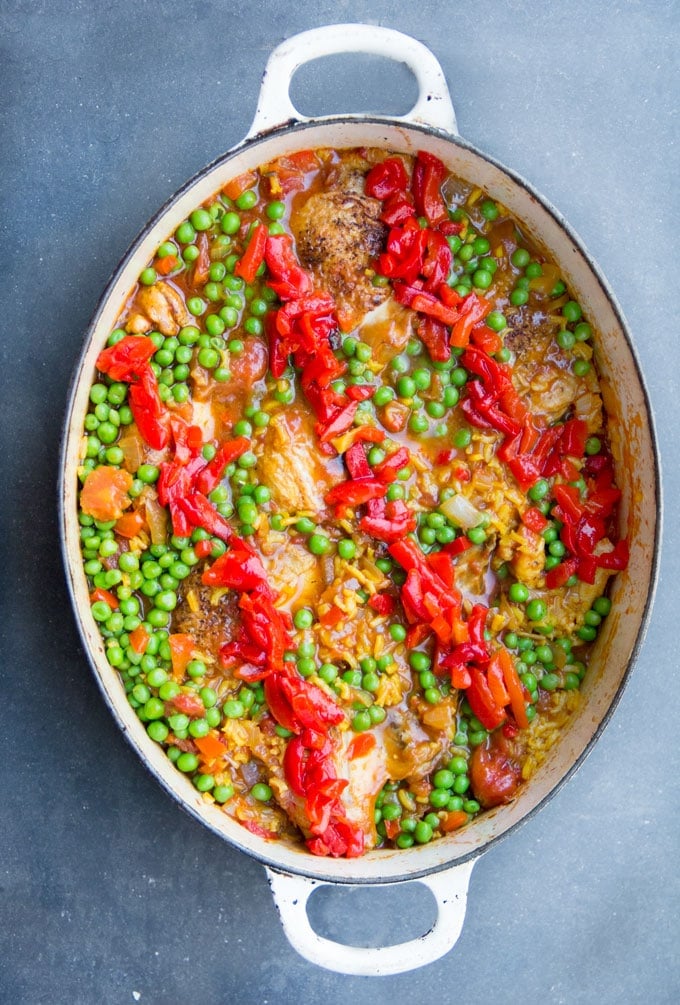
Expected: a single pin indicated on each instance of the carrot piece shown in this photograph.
(514, 687)
(181, 653)
(105, 493)
(139, 639)
(453, 820)
(101, 594)
(130, 524)
(210, 746)
(237, 186)
(164, 266)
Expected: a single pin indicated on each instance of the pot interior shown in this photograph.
(633, 447)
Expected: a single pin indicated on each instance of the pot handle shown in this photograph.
(449, 889)
(433, 106)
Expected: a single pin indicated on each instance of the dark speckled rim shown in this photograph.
(299, 128)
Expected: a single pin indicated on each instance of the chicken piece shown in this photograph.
(290, 464)
(366, 775)
(387, 329)
(338, 235)
(159, 306)
(542, 373)
(208, 614)
(524, 550)
(412, 751)
(295, 574)
(566, 607)
(472, 571)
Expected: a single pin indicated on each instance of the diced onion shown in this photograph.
(461, 512)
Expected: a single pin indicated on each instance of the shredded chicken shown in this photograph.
(159, 306)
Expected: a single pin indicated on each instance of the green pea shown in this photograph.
(346, 549)
(536, 609)
(370, 682)
(477, 535)
(187, 762)
(489, 210)
(533, 270)
(518, 297)
(361, 722)
(588, 633)
(482, 279)
(602, 606)
(185, 233)
(422, 378)
(566, 339)
(319, 544)
(496, 321)
(581, 367)
(418, 423)
(303, 618)
(539, 490)
(260, 791)
(444, 778)
(423, 832)
(582, 331)
(462, 438)
(397, 632)
(571, 311)
(200, 219)
(247, 199)
(406, 387)
(520, 258)
(223, 793)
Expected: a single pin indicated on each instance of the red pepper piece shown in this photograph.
(148, 411)
(355, 492)
(239, 568)
(473, 309)
(388, 469)
(558, 576)
(424, 303)
(360, 392)
(127, 358)
(458, 546)
(287, 278)
(534, 520)
(435, 337)
(482, 701)
(485, 339)
(201, 513)
(428, 174)
(253, 256)
(438, 261)
(398, 208)
(357, 463)
(339, 423)
(386, 179)
(211, 475)
(382, 603)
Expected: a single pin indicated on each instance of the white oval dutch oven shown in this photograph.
(445, 865)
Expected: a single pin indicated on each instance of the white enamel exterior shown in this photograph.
(638, 475)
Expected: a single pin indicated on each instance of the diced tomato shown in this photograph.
(104, 495)
(210, 746)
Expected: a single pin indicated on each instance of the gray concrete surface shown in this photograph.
(110, 893)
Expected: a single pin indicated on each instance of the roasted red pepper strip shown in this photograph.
(398, 208)
(386, 179)
(428, 175)
(356, 492)
(201, 513)
(148, 411)
(211, 475)
(127, 358)
(239, 568)
(253, 256)
(388, 469)
(339, 423)
(482, 701)
(287, 278)
(435, 337)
